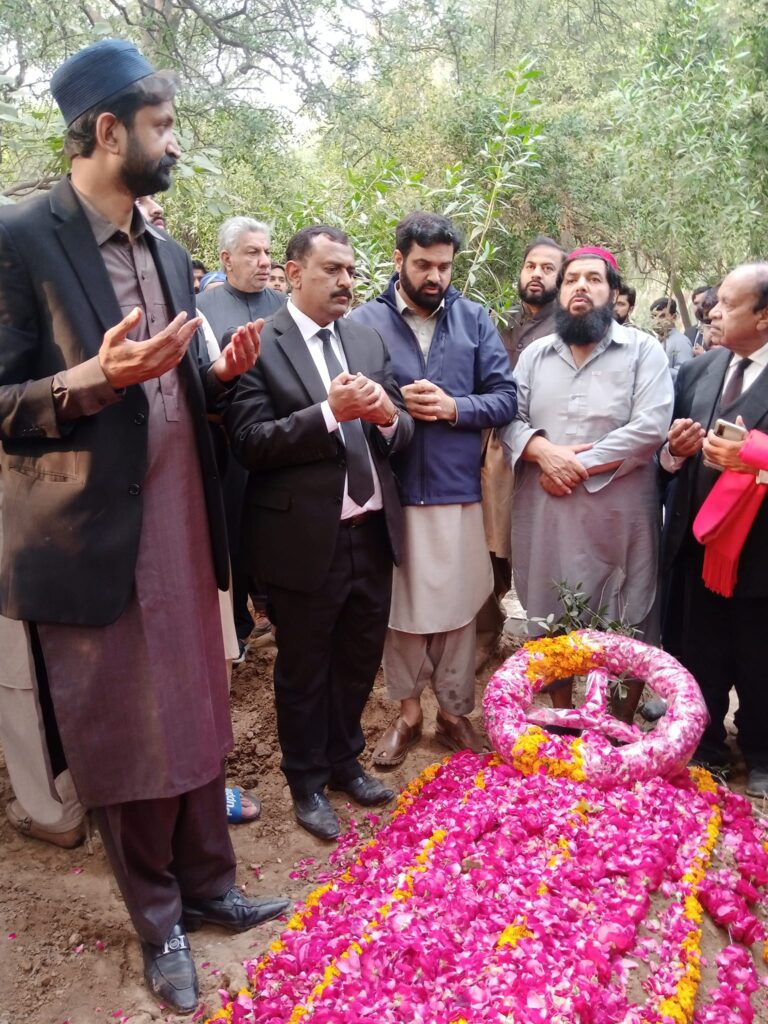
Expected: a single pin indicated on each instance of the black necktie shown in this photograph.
(735, 385)
(359, 476)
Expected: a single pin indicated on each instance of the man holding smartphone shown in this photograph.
(720, 639)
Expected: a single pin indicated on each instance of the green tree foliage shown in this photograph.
(686, 133)
(644, 129)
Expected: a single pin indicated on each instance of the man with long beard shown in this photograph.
(594, 404)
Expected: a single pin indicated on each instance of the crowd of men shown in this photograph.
(369, 480)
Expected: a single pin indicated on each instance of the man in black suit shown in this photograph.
(114, 541)
(720, 639)
(315, 422)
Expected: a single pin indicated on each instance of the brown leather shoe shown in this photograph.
(68, 839)
(460, 735)
(396, 742)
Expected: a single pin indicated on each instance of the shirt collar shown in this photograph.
(404, 308)
(103, 229)
(306, 324)
(237, 292)
(759, 358)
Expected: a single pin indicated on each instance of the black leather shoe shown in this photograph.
(654, 709)
(365, 790)
(316, 815)
(169, 972)
(233, 911)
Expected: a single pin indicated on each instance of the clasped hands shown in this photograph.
(125, 362)
(354, 396)
(687, 437)
(561, 470)
(427, 401)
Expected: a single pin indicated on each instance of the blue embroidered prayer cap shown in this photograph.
(95, 73)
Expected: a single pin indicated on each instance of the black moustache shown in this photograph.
(345, 293)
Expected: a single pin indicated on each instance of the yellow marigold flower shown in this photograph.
(556, 657)
(512, 934)
(705, 783)
(691, 943)
(693, 909)
(314, 897)
(671, 1008)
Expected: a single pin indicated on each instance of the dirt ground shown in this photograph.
(69, 955)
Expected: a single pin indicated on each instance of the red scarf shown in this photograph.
(726, 517)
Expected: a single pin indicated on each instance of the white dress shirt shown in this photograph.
(672, 463)
(309, 330)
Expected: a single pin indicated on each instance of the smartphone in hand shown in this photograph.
(729, 432)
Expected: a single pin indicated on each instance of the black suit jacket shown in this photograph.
(73, 508)
(697, 391)
(297, 468)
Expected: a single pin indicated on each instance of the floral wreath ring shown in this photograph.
(513, 723)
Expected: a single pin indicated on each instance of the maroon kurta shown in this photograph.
(142, 705)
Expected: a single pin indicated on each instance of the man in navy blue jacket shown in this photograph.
(454, 374)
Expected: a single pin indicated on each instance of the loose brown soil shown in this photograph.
(68, 953)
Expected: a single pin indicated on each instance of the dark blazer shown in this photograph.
(73, 507)
(697, 391)
(297, 468)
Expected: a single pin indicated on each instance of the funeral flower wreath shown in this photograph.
(527, 889)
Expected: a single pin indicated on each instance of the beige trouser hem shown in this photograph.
(444, 660)
(50, 803)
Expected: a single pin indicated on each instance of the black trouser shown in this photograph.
(723, 645)
(329, 648)
(491, 617)
(167, 850)
(243, 587)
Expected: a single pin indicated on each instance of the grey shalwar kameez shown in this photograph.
(605, 534)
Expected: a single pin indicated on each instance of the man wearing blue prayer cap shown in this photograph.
(114, 540)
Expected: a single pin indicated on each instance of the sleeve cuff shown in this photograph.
(82, 390)
(216, 388)
(389, 432)
(331, 423)
(672, 463)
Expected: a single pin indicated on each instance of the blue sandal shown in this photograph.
(235, 815)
